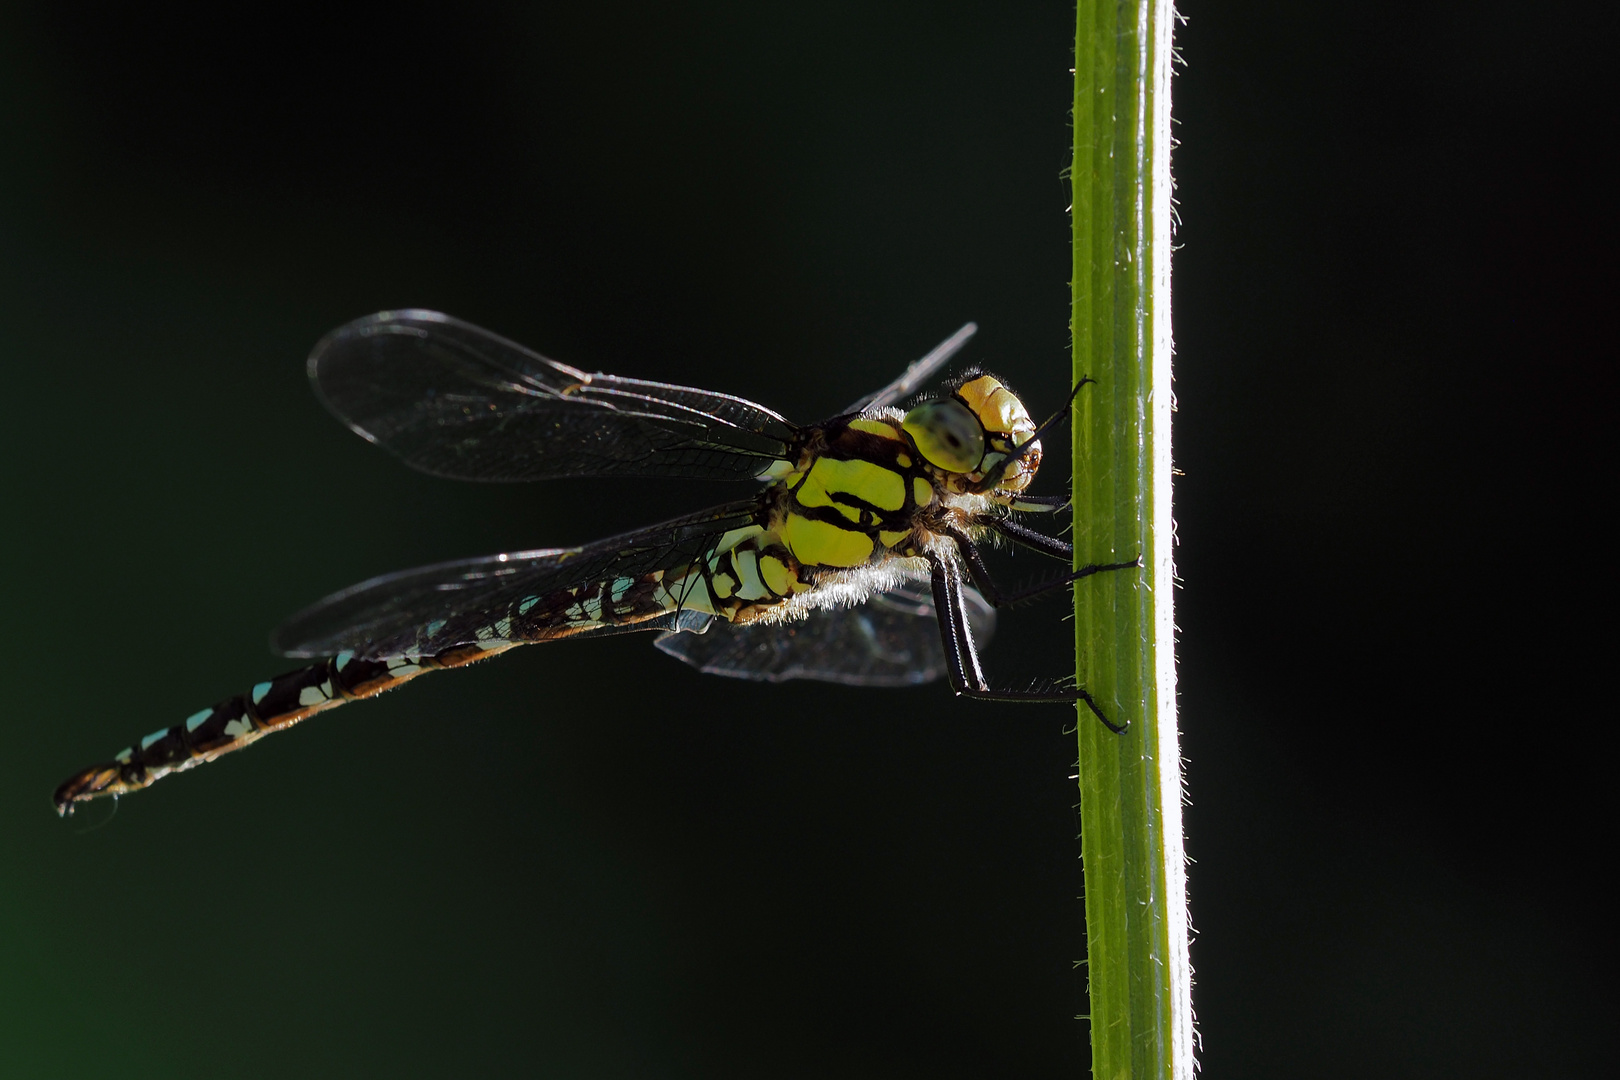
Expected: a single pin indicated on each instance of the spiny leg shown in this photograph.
(962, 659)
(1041, 504)
(1024, 536)
(1029, 538)
(993, 477)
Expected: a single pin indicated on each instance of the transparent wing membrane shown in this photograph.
(748, 589)
(918, 374)
(891, 640)
(457, 401)
(517, 597)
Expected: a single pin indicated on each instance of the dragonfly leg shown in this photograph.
(1041, 504)
(993, 477)
(962, 659)
(1029, 538)
(1024, 536)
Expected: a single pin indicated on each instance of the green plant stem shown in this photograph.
(1130, 785)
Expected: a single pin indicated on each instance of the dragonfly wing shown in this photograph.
(891, 640)
(918, 373)
(457, 401)
(612, 586)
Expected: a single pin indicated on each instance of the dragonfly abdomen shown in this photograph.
(269, 707)
(853, 510)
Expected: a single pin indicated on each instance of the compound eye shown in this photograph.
(947, 434)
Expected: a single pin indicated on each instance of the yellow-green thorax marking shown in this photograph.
(853, 506)
(871, 492)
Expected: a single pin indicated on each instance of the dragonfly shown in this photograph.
(858, 561)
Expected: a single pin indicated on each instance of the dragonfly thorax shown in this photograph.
(885, 484)
(817, 574)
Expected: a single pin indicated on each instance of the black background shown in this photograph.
(1391, 309)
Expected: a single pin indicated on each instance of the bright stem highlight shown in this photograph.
(1130, 785)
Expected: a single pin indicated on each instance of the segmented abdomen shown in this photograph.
(237, 721)
(739, 576)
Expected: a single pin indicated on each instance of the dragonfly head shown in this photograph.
(980, 436)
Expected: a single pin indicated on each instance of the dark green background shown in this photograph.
(586, 860)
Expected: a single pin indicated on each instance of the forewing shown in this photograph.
(891, 640)
(517, 597)
(915, 376)
(457, 401)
